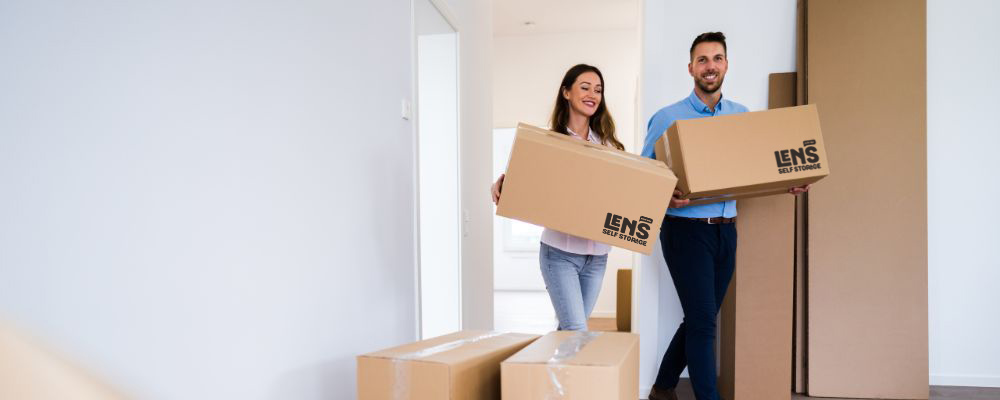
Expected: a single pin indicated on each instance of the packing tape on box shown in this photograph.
(401, 383)
(557, 363)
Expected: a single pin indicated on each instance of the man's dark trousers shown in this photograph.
(701, 258)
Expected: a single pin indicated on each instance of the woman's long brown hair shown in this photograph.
(601, 122)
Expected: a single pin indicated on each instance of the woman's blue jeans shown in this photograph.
(573, 282)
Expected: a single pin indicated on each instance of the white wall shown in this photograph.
(962, 136)
(528, 71)
(529, 68)
(214, 199)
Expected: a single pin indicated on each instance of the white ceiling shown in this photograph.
(559, 16)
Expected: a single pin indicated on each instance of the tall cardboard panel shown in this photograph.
(756, 341)
(867, 222)
(799, 369)
(799, 326)
(623, 306)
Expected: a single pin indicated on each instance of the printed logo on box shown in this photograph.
(630, 230)
(797, 160)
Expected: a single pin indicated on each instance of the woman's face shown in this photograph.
(585, 94)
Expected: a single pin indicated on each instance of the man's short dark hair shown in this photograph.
(717, 37)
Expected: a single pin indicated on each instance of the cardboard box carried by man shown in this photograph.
(745, 155)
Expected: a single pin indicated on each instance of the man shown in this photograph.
(698, 242)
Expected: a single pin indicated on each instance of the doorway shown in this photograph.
(438, 172)
(534, 44)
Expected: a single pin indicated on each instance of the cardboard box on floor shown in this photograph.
(585, 189)
(574, 365)
(458, 366)
(745, 155)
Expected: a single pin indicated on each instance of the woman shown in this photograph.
(573, 267)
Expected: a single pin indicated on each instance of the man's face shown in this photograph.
(708, 66)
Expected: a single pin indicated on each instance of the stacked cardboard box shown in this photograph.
(462, 365)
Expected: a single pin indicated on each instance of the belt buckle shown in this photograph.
(709, 221)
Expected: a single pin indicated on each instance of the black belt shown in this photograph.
(710, 221)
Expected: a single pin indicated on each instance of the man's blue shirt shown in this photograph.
(690, 108)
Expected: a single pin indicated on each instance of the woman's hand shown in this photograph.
(677, 201)
(800, 189)
(497, 186)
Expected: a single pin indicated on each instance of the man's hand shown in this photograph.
(800, 189)
(677, 202)
(497, 186)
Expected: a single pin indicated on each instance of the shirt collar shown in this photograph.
(700, 106)
(591, 137)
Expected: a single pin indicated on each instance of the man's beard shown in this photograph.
(708, 89)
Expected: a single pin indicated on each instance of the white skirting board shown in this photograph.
(965, 380)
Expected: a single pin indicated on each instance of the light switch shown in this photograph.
(465, 223)
(407, 110)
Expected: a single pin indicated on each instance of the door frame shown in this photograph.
(414, 113)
